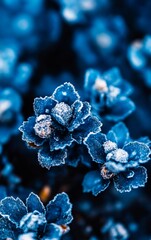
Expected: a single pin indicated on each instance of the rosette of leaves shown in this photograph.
(60, 121)
(33, 220)
(119, 159)
(108, 94)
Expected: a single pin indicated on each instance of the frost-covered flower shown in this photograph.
(59, 121)
(103, 37)
(33, 220)
(119, 158)
(139, 56)
(108, 94)
(10, 116)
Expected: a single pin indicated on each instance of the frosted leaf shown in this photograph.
(43, 126)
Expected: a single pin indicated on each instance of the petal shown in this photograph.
(29, 236)
(27, 128)
(7, 229)
(123, 183)
(49, 159)
(66, 93)
(74, 155)
(43, 105)
(3, 192)
(60, 140)
(112, 76)
(93, 182)
(90, 77)
(7, 131)
(91, 125)
(33, 203)
(138, 152)
(125, 88)
(115, 167)
(59, 209)
(33, 222)
(80, 112)
(15, 209)
(121, 109)
(145, 140)
(52, 231)
(94, 143)
(119, 134)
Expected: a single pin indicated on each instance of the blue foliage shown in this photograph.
(119, 159)
(33, 220)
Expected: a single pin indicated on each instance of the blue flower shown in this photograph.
(119, 158)
(75, 11)
(115, 230)
(59, 121)
(30, 24)
(108, 94)
(7, 173)
(12, 72)
(10, 116)
(103, 37)
(139, 56)
(18, 220)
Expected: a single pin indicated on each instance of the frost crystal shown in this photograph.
(43, 126)
(32, 221)
(109, 146)
(62, 112)
(113, 92)
(100, 85)
(118, 155)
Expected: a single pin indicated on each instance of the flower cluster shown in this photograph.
(33, 220)
(84, 66)
(59, 121)
(118, 158)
